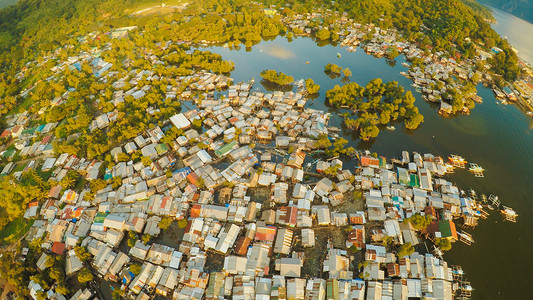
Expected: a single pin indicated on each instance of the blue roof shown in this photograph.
(77, 65)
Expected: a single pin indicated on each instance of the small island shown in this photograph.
(375, 104)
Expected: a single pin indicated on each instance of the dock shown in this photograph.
(457, 273)
(469, 221)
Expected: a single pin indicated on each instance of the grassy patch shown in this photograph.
(24, 105)
(18, 167)
(14, 230)
(155, 3)
(44, 175)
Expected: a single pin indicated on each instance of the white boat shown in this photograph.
(391, 128)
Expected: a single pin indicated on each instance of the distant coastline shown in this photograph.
(519, 9)
(516, 30)
(6, 3)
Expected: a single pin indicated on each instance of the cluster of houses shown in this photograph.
(436, 75)
(235, 243)
(251, 141)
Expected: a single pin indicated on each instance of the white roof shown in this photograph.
(180, 121)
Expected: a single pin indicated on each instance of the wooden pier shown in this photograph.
(457, 273)
(466, 290)
(469, 221)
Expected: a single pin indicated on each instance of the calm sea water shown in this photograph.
(498, 138)
(518, 32)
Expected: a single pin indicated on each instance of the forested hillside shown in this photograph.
(520, 8)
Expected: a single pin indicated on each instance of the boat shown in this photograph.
(499, 94)
(449, 168)
(307, 62)
(391, 128)
(338, 55)
(457, 161)
(437, 252)
(476, 169)
(509, 213)
(465, 237)
(405, 64)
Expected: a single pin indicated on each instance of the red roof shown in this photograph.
(369, 161)
(6, 133)
(193, 178)
(267, 233)
(242, 245)
(356, 220)
(291, 215)
(58, 248)
(46, 139)
(195, 211)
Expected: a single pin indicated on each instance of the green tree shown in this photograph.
(146, 238)
(347, 72)
(85, 276)
(276, 77)
(443, 243)
(135, 269)
(323, 34)
(332, 68)
(418, 221)
(182, 223)
(311, 86)
(63, 289)
(132, 238)
(165, 222)
(82, 253)
(405, 250)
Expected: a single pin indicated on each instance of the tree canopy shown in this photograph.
(276, 77)
(376, 103)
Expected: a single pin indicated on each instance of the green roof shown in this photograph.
(445, 228)
(29, 131)
(332, 288)
(382, 162)
(9, 153)
(415, 181)
(222, 151)
(161, 148)
(100, 217)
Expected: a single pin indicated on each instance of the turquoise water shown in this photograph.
(498, 138)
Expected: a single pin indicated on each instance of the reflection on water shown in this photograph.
(471, 125)
(277, 51)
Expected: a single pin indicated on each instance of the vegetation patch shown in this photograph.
(375, 104)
